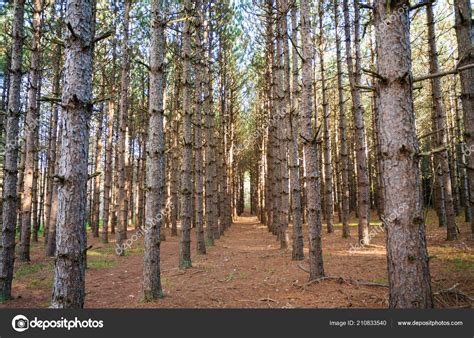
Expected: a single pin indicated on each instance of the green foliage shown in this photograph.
(229, 278)
(101, 263)
(27, 269)
(209, 242)
(185, 264)
(461, 264)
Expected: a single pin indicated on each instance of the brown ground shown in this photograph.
(246, 269)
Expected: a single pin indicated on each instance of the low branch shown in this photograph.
(97, 173)
(430, 133)
(444, 73)
(421, 4)
(170, 22)
(49, 99)
(373, 73)
(433, 151)
(59, 179)
(69, 27)
(365, 87)
(103, 36)
(57, 41)
(101, 99)
(366, 6)
(143, 64)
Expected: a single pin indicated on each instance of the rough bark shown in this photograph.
(294, 160)
(210, 149)
(187, 165)
(407, 258)
(155, 156)
(328, 169)
(31, 134)
(439, 127)
(108, 170)
(354, 71)
(283, 86)
(197, 116)
(308, 135)
(122, 211)
(98, 168)
(51, 243)
(343, 156)
(465, 38)
(69, 271)
(10, 169)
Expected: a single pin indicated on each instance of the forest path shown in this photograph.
(244, 269)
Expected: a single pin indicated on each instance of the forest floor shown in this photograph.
(247, 269)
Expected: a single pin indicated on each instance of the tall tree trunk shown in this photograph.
(210, 150)
(270, 71)
(328, 179)
(108, 170)
(464, 35)
(309, 137)
(439, 127)
(175, 177)
(108, 218)
(354, 70)
(10, 169)
(97, 167)
(344, 160)
(282, 59)
(198, 158)
(186, 169)
(69, 271)
(31, 127)
(122, 157)
(461, 159)
(53, 140)
(156, 156)
(407, 258)
(294, 161)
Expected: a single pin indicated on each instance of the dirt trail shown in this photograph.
(245, 269)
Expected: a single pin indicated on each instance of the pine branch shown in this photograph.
(441, 74)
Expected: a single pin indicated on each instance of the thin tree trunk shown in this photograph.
(328, 169)
(354, 69)
(10, 169)
(210, 150)
(198, 158)
(51, 243)
(310, 151)
(156, 156)
(294, 162)
(122, 157)
(439, 125)
(186, 170)
(344, 157)
(97, 168)
(31, 127)
(282, 59)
